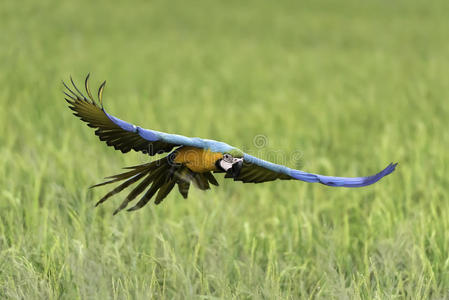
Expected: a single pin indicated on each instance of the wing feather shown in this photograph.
(256, 170)
(124, 136)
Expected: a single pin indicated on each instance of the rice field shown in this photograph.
(337, 88)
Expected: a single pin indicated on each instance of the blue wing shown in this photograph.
(124, 136)
(258, 170)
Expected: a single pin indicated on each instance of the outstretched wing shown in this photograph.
(257, 170)
(124, 136)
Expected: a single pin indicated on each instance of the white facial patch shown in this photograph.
(227, 162)
(225, 165)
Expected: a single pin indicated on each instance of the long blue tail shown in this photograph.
(343, 181)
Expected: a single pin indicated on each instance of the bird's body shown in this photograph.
(197, 159)
(190, 160)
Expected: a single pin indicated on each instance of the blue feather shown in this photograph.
(343, 181)
(176, 139)
(326, 180)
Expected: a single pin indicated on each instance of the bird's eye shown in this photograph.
(227, 157)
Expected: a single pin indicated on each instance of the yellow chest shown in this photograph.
(196, 159)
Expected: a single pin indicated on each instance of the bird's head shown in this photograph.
(231, 162)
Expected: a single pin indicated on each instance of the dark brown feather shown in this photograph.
(90, 112)
(135, 192)
(120, 188)
(164, 190)
(210, 177)
(150, 193)
(251, 173)
(183, 187)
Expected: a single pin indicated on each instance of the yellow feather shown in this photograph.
(196, 159)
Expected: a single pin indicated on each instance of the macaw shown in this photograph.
(189, 160)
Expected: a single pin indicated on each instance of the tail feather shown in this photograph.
(140, 166)
(183, 178)
(149, 194)
(200, 181)
(158, 178)
(135, 192)
(122, 176)
(164, 190)
(120, 188)
(183, 187)
(211, 178)
(151, 178)
(151, 166)
(118, 177)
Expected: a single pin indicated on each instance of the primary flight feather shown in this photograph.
(189, 160)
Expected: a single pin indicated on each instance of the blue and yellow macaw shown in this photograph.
(190, 160)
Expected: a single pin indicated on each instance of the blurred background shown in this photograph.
(351, 86)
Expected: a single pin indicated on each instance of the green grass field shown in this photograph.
(350, 86)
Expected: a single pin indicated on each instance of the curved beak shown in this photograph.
(232, 168)
(236, 167)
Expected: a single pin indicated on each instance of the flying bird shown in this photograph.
(189, 160)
